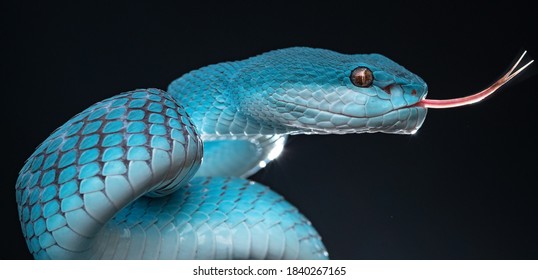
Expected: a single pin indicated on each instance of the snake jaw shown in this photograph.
(477, 97)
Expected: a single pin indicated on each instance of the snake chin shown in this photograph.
(416, 116)
(403, 120)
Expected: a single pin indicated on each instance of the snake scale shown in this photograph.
(124, 179)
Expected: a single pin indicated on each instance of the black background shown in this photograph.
(463, 187)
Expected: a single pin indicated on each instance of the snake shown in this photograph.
(154, 174)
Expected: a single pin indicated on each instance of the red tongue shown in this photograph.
(470, 99)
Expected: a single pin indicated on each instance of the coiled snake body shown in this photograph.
(124, 179)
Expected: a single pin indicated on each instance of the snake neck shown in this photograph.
(236, 143)
(211, 100)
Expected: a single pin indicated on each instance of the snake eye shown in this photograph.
(361, 77)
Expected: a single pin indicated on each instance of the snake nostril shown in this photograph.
(387, 89)
(414, 92)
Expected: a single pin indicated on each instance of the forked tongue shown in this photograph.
(473, 98)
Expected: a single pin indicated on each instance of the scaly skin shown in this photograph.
(116, 181)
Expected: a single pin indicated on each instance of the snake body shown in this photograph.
(124, 179)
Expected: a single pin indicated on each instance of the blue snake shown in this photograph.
(125, 179)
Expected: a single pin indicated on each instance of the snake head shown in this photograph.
(384, 93)
(320, 91)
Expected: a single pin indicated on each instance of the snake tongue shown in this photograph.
(473, 98)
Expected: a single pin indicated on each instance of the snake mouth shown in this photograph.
(479, 96)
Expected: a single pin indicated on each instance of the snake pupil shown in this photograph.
(362, 77)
